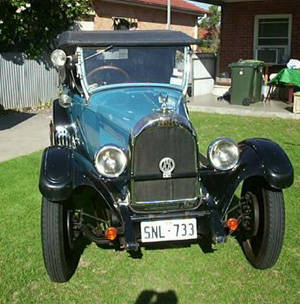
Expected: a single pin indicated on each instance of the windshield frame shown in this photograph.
(88, 90)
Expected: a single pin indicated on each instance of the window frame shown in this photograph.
(256, 47)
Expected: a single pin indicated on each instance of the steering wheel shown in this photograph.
(109, 67)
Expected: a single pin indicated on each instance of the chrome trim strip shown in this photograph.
(187, 70)
(81, 74)
(169, 120)
(188, 200)
(158, 207)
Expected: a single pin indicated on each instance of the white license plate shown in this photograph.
(169, 230)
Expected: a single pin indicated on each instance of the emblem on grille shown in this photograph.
(167, 166)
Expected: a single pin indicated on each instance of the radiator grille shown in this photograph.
(150, 147)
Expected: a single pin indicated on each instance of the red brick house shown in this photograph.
(146, 15)
(263, 29)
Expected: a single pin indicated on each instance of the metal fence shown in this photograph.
(26, 83)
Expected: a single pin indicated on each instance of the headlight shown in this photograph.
(110, 161)
(223, 154)
(59, 58)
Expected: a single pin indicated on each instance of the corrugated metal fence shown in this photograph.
(26, 83)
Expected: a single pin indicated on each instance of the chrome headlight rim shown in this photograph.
(123, 156)
(212, 148)
(58, 53)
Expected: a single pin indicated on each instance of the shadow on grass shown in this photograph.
(167, 245)
(153, 297)
(204, 243)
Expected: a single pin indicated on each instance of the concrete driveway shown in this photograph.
(23, 133)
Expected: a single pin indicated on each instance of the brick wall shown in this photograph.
(148, 18)
(237, 33)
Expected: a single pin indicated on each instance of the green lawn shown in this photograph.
(184, 275)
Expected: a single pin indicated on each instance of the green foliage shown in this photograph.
(212, 20)
(212, 24)
(31, 25)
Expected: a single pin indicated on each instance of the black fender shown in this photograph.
(277, 168)
(63, 170)
(61, 116)
(258, 158)
(56, 174)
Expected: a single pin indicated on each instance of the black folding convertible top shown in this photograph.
(71, 39)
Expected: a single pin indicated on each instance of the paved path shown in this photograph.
(209, 104)
(23, 133)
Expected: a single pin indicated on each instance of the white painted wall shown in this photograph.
(203, 82)
(85, 25)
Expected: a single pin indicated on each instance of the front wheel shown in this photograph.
(262, 229)
(61, 250)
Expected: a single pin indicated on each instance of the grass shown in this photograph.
(181, 275)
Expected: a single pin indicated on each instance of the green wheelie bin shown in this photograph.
(247, 81)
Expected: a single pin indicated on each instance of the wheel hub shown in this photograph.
(250, 214)
(73, 222)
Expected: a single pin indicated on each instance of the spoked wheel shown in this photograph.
(263, 223)
(62, 246)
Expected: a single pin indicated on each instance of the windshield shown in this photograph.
(115, 65)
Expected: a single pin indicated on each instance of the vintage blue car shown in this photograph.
(124, 170)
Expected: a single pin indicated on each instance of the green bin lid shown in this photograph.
(250, 63)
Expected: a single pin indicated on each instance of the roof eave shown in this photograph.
(157, 6)
(222, 2)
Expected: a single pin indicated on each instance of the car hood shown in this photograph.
(112, 114)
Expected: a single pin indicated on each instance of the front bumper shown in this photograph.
(209, 225)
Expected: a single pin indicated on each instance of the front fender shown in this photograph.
(63, 170)
(277, 168)
(259, 157)
(56, 174)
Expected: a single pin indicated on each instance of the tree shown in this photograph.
(30, 26)
(212, 24)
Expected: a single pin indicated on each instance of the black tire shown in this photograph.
(61, 256)
(262, 244)
(246, 101)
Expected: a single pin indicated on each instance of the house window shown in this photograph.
(272, 38)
